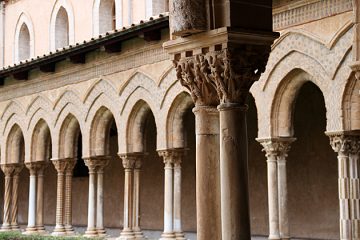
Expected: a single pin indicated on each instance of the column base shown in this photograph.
(101, 232)
(59, 231)
(138, 234)
(5, 227)
(41, 230)
(274, 237)
(180, 236)
(15, 227)
(69, 230)
(167, 236)
(30, 231)
(89, 233)
(126, 235)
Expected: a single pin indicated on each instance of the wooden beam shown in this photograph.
(78, 58)
(24, 75)
(113, 47)
(46, 68)
(154, 35)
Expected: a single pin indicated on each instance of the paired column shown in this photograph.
(276, 152)
(60, 166)
(95, 205)
(70, 164)
(347, 145)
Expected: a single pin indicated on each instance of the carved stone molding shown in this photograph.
(345, 143)
(224, 75)
(276, 147)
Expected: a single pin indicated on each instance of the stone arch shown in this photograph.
(135, 127)
(351, 105)
(64, 8)
(40, 146)
(99, 138)
(175, 117)
(24, 39)
(15, 147)
(98, 89)
(13, 112)
(40, 107)
(103, 13)
(69, 102)
(68, 137)
(283, 104)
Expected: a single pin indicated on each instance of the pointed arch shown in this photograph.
(15, 147)
(107, 16)
(68, 137)
(24, 39)
(40, 146)
(62, 25)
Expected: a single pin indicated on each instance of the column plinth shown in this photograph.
(128, 162)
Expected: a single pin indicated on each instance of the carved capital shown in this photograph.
(7, 169)
(97, 163)
(36, 167)
(345, 143)
(60, 165)
(172, 156)
(276, 148)
(224, 75)
(128, 160)
(70, 164)
(18, 167)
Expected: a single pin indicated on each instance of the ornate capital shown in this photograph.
(224, 75)
(18, 167)
(96, 163)
(345, 143)
(70, 164)
(276, 147)
(8, 169)
(60, 165)
(172, 156)
(36, 167)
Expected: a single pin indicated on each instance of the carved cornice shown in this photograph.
(276, 147)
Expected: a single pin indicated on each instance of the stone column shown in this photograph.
(31, 228)
(70, 164)
(91, 229)
(40, 198)
(15, 194)
(177, 196)
(60, 166)
(8, 170)
(168, 157)
(128, 162)
(100, 197)
(136, 196)
(347, 145)
(208, 215)
(276, 152)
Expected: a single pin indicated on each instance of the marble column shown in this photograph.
(15, 193)
(168, 158)
(208, 213)
(60, 166)
(179, 234)
(136, 196)
(8, 170)
(347, 145)
(40, 198)
(70, 164)
(31, 228)
(276, 152)
(91, 229)
(128, 162)
(100, 197)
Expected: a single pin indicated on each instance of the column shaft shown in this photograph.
(31, 228)
(7, 200)
(100, 204)
(354, 195)
(235, 214)
(207, 173)
(273, 198)
(40, 200)
(127, 232)
(15, 194)
(68, 197)
(283, 199)
(168, 203)
(177, 201)
(136, 198)
(59, 227)
(91, 230)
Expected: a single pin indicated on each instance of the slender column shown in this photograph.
(276, 152)
(31, 228)
(91, 229)
(207, 173)
(168, 157)
(60, 166)
(100, 198)
(344, 144)
(40, 198)
(128, 162)
(136, 196)
(70, 164)
(15, 194)
(177, 197)
(8, 171)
